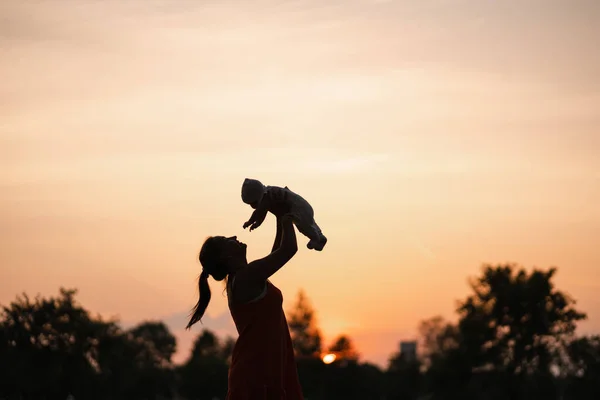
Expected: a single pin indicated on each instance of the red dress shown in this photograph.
(262, 364)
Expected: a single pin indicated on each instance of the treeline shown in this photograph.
(514, 338)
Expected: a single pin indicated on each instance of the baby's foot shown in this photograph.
(318, 246)
(321, 243)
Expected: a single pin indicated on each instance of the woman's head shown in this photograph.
(219, 257)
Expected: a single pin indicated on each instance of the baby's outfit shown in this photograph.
(302, 212)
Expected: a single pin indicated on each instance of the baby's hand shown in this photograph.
(255, 225)
(247, 224)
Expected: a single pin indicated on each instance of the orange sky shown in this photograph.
(429, 136)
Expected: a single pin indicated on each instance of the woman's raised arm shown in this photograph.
(278, 235)
(284, 249)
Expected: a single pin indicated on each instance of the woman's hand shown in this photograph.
(278, 201)
(287, 218)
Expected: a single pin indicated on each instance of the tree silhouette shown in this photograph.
(153, 345)
(583, 381)
(50, 347)
(344, 349)
(515, 320)
(160, 342)
(438, 339)
(403, 377)
(447, 371)
(510, 335)
(204, 375)
(227, 349)
(306, 337)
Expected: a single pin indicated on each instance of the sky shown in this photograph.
(430, 137)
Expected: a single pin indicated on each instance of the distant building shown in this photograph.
(408, 350)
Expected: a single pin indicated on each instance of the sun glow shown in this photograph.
(329, 358)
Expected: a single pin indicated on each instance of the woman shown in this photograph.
(262, 365)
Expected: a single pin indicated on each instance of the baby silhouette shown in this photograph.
(280, 201)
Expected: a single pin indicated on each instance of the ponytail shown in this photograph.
(203, 300)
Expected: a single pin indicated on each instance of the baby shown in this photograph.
(280, 201)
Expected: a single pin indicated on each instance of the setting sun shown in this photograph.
(329, 358)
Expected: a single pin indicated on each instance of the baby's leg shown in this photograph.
(304, 221)
(320, 240)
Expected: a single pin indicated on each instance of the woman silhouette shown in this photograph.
(263, 366)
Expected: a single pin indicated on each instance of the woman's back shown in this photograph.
(263, 364)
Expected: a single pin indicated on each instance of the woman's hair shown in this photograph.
(212, 264)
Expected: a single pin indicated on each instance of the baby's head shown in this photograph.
(252, 192)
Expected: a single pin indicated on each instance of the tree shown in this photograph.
(438, 339)
(227, 349)
(403, 378)
(447, 372)
(514, 321)
(154, 347)
(511, 335)
(306, 340)
(583, 381)
(50, 347)
(159, 341)
(122, 362)
(344, 349)
(403, 375)
(204, 375)
(306, 337)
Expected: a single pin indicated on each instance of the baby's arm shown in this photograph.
(258, 216)
(274, 200)
(251, 220)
